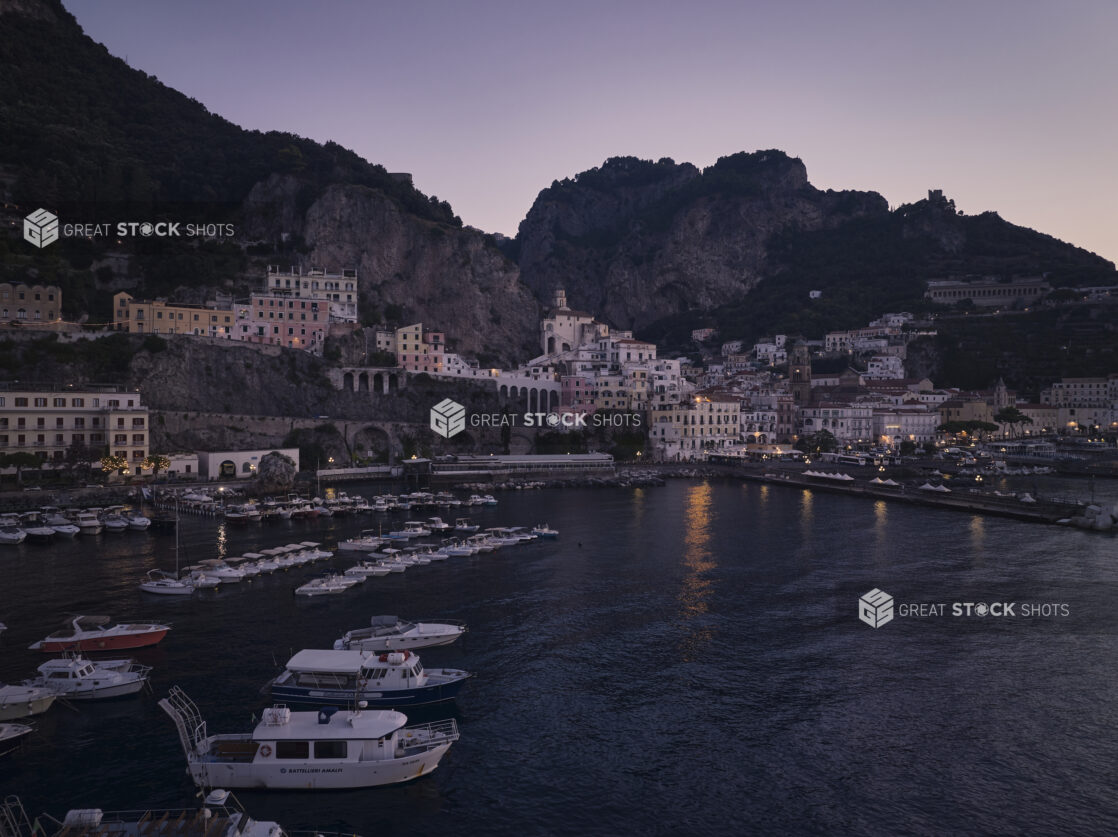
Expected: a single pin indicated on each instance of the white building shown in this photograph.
(237, 464)
(884, 368)
(848, 423)
(914, 423)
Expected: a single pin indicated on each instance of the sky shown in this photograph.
(1005, 105)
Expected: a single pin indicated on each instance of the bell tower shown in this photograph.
(799, 373)
(560, 299)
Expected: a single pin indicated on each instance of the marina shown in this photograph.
(647, 584)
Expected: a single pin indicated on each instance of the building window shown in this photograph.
(60, 402)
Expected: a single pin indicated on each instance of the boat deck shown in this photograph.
(186, 823)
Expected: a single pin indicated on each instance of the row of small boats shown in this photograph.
(51, 522)
(213, 572)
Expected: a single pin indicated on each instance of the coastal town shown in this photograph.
(725, 399)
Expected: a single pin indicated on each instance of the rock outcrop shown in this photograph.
(636, 241)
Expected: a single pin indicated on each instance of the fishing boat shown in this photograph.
(23, 701)
(76, 678)
(341, 678)
(220, 815)
(11, 736)
(93, 633)
(391, 633)
(309, 750)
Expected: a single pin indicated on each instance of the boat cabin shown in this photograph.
(350, 670)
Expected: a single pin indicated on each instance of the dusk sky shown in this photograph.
(1006, 105)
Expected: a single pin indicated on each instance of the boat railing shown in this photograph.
(188, 720)
(14, 821)
(430, 734)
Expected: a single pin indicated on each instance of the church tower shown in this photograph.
(799, 373)
(560, 299)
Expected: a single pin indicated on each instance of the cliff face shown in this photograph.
(453, 280)
(638, 241)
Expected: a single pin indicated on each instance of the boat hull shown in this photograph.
(374, 698)
(273, 774)
(105, 692)
(12, 709)
(398, 643)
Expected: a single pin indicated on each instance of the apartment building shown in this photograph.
(48, 422)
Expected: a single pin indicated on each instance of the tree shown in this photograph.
(113, 463)
(908, 448)
(1013, 417)
(20, 460)
(822, 441)
(155, 463)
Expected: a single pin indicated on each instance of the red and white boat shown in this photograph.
(93, 633)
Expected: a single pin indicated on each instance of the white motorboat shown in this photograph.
(489, 500)
(437, 524)
(464, 524)
(12, 535)
(11, 736)
(200, 581)
(368, 541)
(542, 530)
(391, 633)
(114, 523)
(88, 523)
(475, 500)
(77, 678)
(329, 586)
(61, 525)
(368, 568)
(220, 815)
(137, 521)
(310, 750)
(218, 569)
(36, 528)
(23, 701)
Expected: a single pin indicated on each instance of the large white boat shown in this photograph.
(23, 701)
(309, 750)
(11, 534)
(77, 678)
(391, 633)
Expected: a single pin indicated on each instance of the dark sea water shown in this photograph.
(683, 660)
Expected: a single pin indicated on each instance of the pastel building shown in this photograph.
(30, 304)
(157, 316)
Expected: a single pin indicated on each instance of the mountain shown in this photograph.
(664, 247)
(82, 129)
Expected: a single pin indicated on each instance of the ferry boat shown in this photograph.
(391, 633)
(221, 815)
(89, 633)
(342, 678)
(77, 678)
(319, 750)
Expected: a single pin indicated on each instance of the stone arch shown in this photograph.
(379, 384)
(393, 383)
(363, 382)
(551, 345)
(553, 401)
(347, 381)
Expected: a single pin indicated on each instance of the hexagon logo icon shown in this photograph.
(40, 228)
(875, 608)
(448, 418)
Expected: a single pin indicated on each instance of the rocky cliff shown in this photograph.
(409, 268)
(638, 241)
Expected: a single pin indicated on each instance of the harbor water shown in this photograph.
(685, 659)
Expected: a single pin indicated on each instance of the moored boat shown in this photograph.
(76, 678)
(11, 736)
(542, 530)
(391, 633)
(341, 678)
(23, 701)
(309, 750)
(93, 633)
